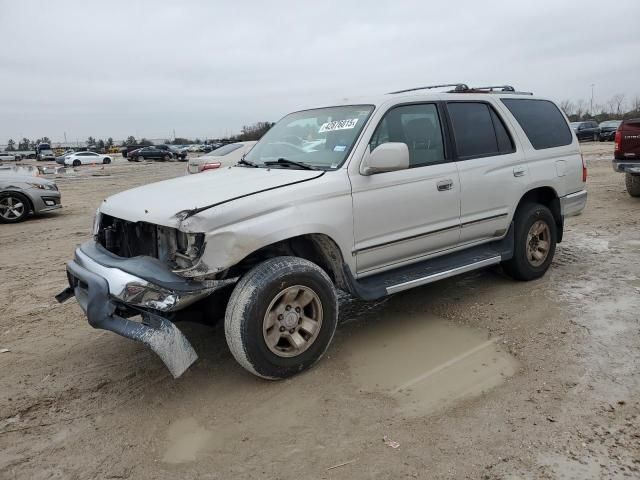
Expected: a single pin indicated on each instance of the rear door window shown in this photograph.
(478, 131)
(541, 121)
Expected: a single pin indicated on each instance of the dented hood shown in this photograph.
(164, 203)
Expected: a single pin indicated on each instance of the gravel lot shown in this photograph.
(473, 377)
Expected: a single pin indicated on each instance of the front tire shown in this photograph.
(535, 234)
(633, 184)
(281, 317)
(76, 163)
(140, 159)
(595, 137)
(14, 207)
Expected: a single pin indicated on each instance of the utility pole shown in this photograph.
(591, 111)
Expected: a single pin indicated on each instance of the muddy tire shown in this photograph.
(535, 234)
(106, 161)
(14, 207)
(76, 163)
(281, 317)
(633, 184)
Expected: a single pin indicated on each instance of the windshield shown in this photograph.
(321, 138)
(611, 123)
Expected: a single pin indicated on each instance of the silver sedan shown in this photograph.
(21, 195)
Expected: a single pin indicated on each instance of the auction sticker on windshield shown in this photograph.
(338, 125)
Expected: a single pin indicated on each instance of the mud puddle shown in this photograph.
(424, 362)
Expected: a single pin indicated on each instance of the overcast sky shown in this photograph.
(204, 68)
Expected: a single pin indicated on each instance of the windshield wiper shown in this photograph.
(242, 161)
(291, 163)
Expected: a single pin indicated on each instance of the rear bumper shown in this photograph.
(626, 166)
(107, 287)
(573, 203)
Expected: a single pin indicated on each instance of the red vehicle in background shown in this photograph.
(627, 154)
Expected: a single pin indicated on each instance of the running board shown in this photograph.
(434, 277)
(389, 282)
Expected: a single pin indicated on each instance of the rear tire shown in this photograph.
(535, 234)
(633, 184)
(281, 317)
(106, 161)
(595, 137)
(166, 158)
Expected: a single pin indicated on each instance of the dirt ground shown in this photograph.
(473, 377)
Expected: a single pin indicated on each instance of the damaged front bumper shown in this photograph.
(106, 286)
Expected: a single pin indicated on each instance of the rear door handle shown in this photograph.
(444, 185)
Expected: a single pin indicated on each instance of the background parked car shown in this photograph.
(7, 157)
(176, 152)
(588, 130)
(86, 158)
(608, 129)
(149, 153)
(21, 195)
(62, 156)
(222, 157)
(130, 148)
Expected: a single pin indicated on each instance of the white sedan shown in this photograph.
(86, 158)
(224, 156)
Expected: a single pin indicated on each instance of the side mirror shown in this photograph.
(387, 157)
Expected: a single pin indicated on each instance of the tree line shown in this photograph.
(248, 132)
(618, 107)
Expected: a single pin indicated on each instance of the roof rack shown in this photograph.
(459, 87)
(464, 88)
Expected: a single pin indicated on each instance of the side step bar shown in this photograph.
(431, 270)
(434, 277)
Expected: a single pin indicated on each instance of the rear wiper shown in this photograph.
(284, 161)
(242, 161)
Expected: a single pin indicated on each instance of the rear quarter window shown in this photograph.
(541, 121)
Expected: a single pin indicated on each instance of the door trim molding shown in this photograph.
(484, 219)
(405, 239)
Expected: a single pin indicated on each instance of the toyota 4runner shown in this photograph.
(370, 196)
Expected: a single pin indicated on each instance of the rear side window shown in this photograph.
(541, 121)
(478, 130)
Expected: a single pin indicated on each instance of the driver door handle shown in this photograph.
(444, 185)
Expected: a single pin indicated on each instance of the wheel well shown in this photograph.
(546, 196)
(315, 247)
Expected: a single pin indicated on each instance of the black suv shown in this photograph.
(588, 130)
(149, 153)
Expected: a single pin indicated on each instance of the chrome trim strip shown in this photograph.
(441, 275)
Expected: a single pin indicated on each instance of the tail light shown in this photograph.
(210, 166)
(584, 169)
(618, 141)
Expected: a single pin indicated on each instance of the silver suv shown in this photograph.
(371, 196)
